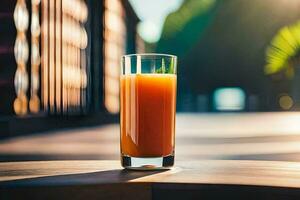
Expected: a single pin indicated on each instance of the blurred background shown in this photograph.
(60, 60)
(233, 55)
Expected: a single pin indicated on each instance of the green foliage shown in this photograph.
(170, 69)
(189, 9)
(284, 48)
(185, 26)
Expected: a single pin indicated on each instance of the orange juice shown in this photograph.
(148, 106)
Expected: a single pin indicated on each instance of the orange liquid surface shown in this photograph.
(148, 106)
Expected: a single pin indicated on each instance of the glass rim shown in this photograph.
(148, 55)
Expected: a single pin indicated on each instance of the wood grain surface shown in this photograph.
(218, 156)
(265, 173)
(106, 179)
(239, 136)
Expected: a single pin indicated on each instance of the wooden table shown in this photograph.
(207, 179)
(224, 156)
(241, 136)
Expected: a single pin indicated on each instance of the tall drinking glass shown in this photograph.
(148, 107)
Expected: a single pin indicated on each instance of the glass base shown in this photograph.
(147, 163)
